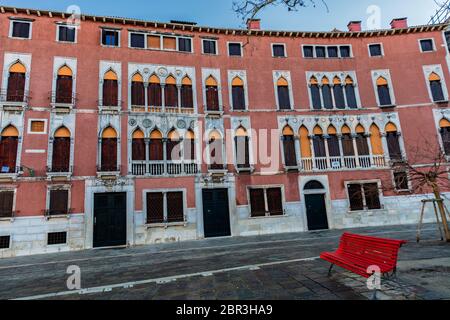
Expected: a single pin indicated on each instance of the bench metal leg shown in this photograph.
(329, 271)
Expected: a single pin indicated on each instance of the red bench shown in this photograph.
(357, 253)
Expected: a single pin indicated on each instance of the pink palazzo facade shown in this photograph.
(277, 131)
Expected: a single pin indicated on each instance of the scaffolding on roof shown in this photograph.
(442, 14)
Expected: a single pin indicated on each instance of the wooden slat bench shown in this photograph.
(357, 253)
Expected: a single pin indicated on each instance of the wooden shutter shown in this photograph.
(6, 204)
(257, 204)
(215, 147)
(290, 158)
(212, 98)
(8, 154)
(154, 42)
(61, 155)
(242, 152)
(187, 97)
(171, 95)
(109, 154)
(319, 146)
(384, 95)
(110, 93)
(327, 98)
(316, 99)
(172, 145)
(351, 96)
(169, 43)
(445, 134)
(372, 196)
(393, 146)
(238, 98)
(355, 197)
(333, 146)
(137, 93)
(156, 150)
(155, 207)
(274, 201)
(175, 211)
(284, 100)
(154, 95)
(362, 145)
(338, 91)
(59, 202)
(436, 90)
(16, 87)
(64, 89)
(138, 152)
(347, 145)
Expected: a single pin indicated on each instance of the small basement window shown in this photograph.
(54, 238)
(5, 242)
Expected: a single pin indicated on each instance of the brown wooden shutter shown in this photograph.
(238, 98)
(156, 150)
(64, 89)
(290, 158)
(61, 155)
(284, 100)
(109, 154)
(215, 147)
(362, 145)
(319, 146)
(333, 146)
(175, 212)
(445, 134)
(187, 97)
(275, 202)
(110, 93)
(189, 149)
(355, 197)
(372, 196)
(242, 152)
(137, 93)
(8, 154)
(393, 146)
(257, 204)
(138, 150)
(155, 208)
(347, 145)
(171, 95)
(212, 98)
(59, 202)
(16, 87)
(6, 204)
(154, 95)
(170, 147)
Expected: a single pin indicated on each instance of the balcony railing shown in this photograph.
(104, 169)
(14, 97)
(59, 99)
(161, 168)
(342, 163)
(110, 104)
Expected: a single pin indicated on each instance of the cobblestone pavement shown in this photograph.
(264, 267)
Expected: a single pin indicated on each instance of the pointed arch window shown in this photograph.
(333, 142)
(284, 100)
(110, 89)
(361, 141)
(137, 91)
(338, 91)
(319, 143)
(350, 93)
(16, 83)
(290, 158)
(305, 144)
(212, 94)
(61, 150)
(64, 85)
(154, 92)
(347, 142)
(109, 150)
(242, 148)
(238, 94)
(189, 146)
(393, 142)
(445, 135)
(138, 146)
(384, 94)
(173, 147)
(215, 146)
(436, 87)
(171, 92)
(187, 100)
(315, 93)
(326, 94)
(9, 142)
(156, 146)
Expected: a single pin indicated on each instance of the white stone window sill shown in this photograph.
(11, 220)
(61, 216)
(166, 225)
(404, 191)
(368, 211)
(269, 217)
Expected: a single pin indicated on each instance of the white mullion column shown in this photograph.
(341, 150)
(313, 154)
(147, 155)
(355, 147)
(298, 157)
(369, 144)
(387, 157)
(99, 154)
(266, 203)
(164, 140)
(146, 96)
(179, 98)
(181, 144)
(163, 97)
(327, 150)
(166, 216)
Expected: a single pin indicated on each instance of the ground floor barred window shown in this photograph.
(165, 207)
(266, 202)
(363, 196)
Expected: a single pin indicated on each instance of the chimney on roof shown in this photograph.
(254, 24)
(354, 26)
(399, 23)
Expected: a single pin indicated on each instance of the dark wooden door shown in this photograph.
(316, 212)
(216, 214)
(110, 219)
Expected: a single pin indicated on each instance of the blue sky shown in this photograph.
(219, 12)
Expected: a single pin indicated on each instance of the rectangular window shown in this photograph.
(234, 49)
(21, 29)
(137, 40)
(266, 202)
(165, 207)
(345, 51)
(332, 52)
(110, 37)
(308, 51)
(37, 126)
(66, 34)
(54, 238)
(209, 46)
(401, 180)
(6, 204)
(375, 50)
(185, 44)
(320, 52)
(59, 202)
(153, 42)
(427, 45)
(4, 242)
(364, 196)
(169, 43)
(278, 50)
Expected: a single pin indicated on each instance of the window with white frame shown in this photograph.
(6, 203)
(266, 201)
(427, 45)
(235, 49)
(153, 41)
(66, 33)
(279, 50)
(165, 207)
(327, 52)
(58, 201)
(20, 29)
(209, 46)
(110, 37)
(364, 195)
(376, 50)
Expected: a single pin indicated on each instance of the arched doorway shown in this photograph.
(316, 209)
